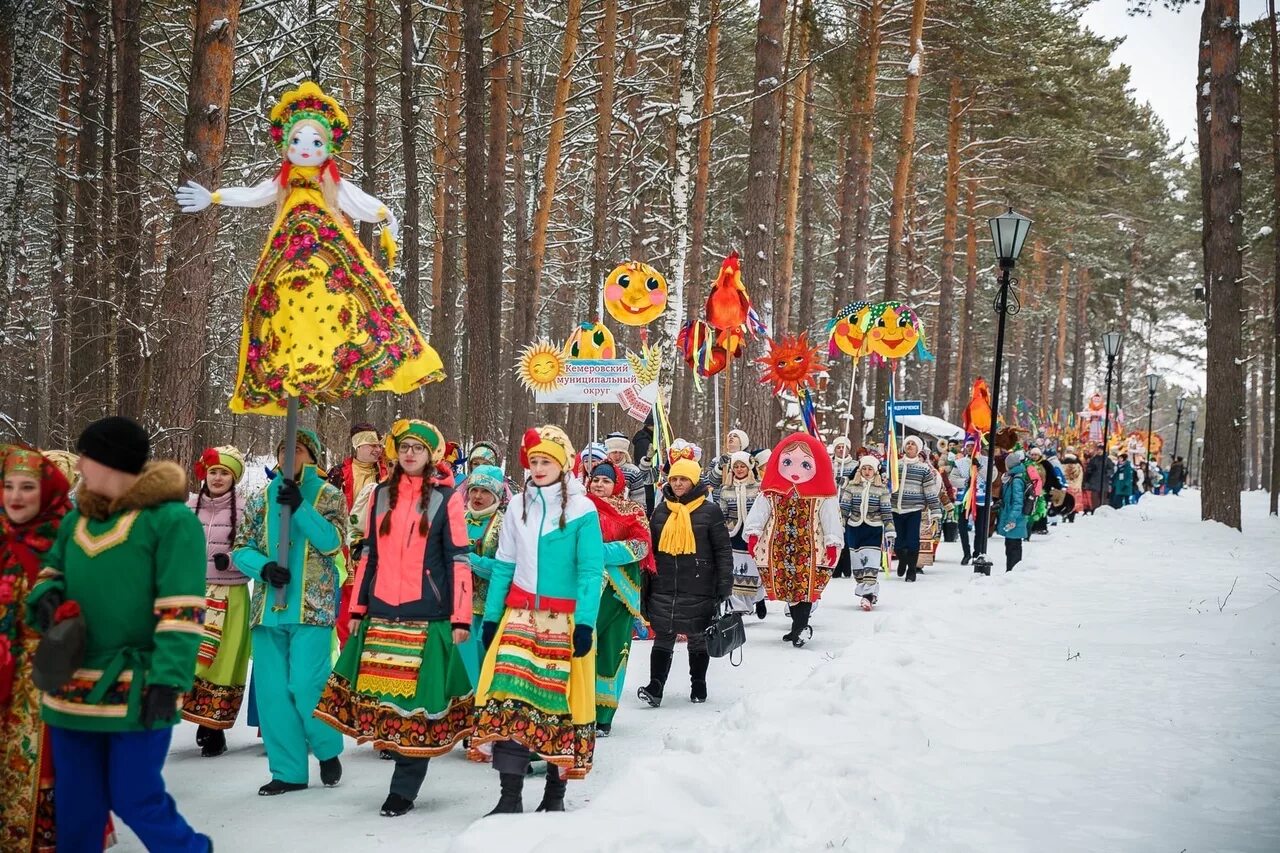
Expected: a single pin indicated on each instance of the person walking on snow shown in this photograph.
(401, 682)
(222, 664)
(1015, 495)
(737, 497)
(915, 503)
(129, 562)
(536, 694)
(793, 529)
(293, 645)
(695, 574)
(868, 527)
(628, 558)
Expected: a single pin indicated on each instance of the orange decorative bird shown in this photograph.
(729, 306)
(977, 415)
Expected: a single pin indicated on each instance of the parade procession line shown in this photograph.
(1120, 691)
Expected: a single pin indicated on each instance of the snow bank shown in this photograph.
(1114, 693)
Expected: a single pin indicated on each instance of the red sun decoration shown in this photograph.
(790, 364)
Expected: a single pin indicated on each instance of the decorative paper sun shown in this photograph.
(790, 364)
(540, 366)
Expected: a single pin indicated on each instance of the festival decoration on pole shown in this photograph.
(793, 365)
(322, 322)
(635, 294)
(591, 341)
(847, 333)
(894, 330)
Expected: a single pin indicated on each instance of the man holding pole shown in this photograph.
(293, 625)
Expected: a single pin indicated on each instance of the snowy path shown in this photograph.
(1097, 699)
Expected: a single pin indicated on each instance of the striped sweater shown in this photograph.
(917, 488)
(866, 502)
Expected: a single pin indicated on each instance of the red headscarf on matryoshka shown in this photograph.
(821, 479)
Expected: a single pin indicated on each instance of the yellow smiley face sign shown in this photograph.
(635, 294)
(591, 341)
(540, 366)
(847, 330)
(894, 332)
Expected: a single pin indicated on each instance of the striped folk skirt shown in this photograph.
(222, 662)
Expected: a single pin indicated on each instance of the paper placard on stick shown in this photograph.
(589, 381)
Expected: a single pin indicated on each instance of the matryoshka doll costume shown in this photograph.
(536, 694)
(793, 528)
(222, 662)
(322, 321)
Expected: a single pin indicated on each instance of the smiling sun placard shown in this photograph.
(541, 364)
(635, 294)
(894, 330)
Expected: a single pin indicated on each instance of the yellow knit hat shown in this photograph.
(686, 468)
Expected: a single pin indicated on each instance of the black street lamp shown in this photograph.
(1191, 444)
(1177, 425)
(1153, 383)
(1111, 348)
(1008, 233)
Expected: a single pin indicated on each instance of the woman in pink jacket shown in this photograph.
(400, 682)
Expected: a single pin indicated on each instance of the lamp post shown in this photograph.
(1191, 444)
(1153, 383)
(1008, 233)
(1177, 424)
(1110, 348)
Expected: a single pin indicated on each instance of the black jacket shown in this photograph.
(682, 597)
(1094, 478)
(1177, 475)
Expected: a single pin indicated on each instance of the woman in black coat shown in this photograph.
(695, 574)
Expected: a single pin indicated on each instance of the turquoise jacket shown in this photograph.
(537, 556)
(316, 532)
(1012, 521)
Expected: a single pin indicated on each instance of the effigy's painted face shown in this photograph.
(797, 465)
(307, 146)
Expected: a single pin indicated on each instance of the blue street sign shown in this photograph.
(906, 407)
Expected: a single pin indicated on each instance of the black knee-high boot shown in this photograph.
(510, 801)
(911, 557)
(553, 794)
(698, 662)
(799, 622)
(659, 668)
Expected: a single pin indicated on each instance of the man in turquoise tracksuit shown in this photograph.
(293, 645)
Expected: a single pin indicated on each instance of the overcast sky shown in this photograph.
(1160, 50)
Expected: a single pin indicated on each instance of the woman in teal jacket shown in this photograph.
(1011, 523)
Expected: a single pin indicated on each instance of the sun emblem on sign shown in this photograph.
(540, 366)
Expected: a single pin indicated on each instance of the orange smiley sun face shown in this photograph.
(635, 294)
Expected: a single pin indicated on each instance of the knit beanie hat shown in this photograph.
(605, 469)
(1014, 458)
(913, 439)
(743, 441)
(311, 442)
(489, 478)
(221, 457)
(869, 460)
(117, 442)
(686, 468)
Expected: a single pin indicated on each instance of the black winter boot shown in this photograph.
(331, 772)
(553, 794)
(799, 624)
(659, 668)
(698, 662)
(214, 743)
(761, 610)
(510, 801)
(910, 557)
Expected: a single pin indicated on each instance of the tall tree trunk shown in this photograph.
(496, 183)
(865, 151)
(605, 65)
(132, 345)
(968, 358)
(59, 359)
(87, 352)
(1218, 102)
(809, 273)
(519, 402)
(685, 129)
(442, 397)
(410, 235)
(906, 149)
(950, 224)
(762, 188)
(368, 143)
(1078, 337)
(188, 279)
(787, 263)
(484, 283)
(841, 278)
(1274, 35)
(1060, 353)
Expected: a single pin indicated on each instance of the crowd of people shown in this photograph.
(422, 603)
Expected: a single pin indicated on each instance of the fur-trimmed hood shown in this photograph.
(159, 482)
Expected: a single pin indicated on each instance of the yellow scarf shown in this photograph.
(677, 533)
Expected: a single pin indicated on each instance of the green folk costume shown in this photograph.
(619, 608)
(482, 530)
(136, 567)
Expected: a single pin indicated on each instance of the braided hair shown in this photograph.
(393, 488)
(564, 499)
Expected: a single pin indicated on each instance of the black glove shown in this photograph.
(276, 575)
(358, 549)
(46, 607)
(488, 630)
(289, 495)
(582, 635)
(221, 562)
(159, 705)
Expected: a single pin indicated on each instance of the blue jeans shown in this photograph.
(102, 772)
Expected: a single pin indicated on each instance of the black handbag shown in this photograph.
(725, 635)
(950, 531)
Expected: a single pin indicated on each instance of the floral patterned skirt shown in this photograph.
(401, 686)
(26, 767)
(321, 321)
(222, 662)
(534, 691)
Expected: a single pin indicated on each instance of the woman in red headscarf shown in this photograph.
(794, 529)
(35, 500)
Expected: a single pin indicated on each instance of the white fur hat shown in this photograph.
(869, 460)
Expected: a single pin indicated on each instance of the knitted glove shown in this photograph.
(46, 607)
(488, 631)
(582, 635)
(276, 575)
(221, 562)
(289, 495)
(159, 705)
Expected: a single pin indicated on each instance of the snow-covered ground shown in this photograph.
(1120, 691)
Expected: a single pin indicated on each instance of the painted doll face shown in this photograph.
(635, 294)
(894, 334)
(21, 498)
(306, 145)
(796, 464)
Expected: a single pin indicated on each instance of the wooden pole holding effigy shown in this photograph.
(289, 472)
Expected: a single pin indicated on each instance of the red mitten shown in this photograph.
(752, 541)
(831, 555)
